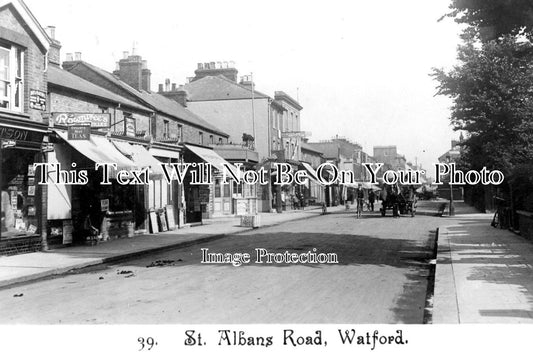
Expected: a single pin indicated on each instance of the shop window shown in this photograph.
(11, 78)
(19, 206)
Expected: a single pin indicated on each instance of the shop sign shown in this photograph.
(19, 134)
(104, 205)
(129, 126)
(79, 133)
(293, 134)
(95, 120)
(37, 100)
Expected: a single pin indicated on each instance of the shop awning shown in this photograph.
(311, 172)
(141, 157)
(211, 157)
(100, 150)
(163, 153)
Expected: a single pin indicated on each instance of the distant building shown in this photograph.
(388, 155)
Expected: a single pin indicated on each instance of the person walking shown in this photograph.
(371, 199)
(360, 200)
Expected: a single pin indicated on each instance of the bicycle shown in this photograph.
(502, 216)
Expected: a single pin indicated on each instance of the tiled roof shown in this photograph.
(158, 102)
(219, 88)
(310, 148)
(330, 149)
(65, 79)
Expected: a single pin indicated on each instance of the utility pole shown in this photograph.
(253, 110)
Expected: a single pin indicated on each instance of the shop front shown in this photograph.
(21, 200)
(100, 209)
(166, 199)
(216, 199)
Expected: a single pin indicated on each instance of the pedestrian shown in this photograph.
(360, 194)
(371, 199)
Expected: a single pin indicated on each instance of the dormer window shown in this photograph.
(11, 78)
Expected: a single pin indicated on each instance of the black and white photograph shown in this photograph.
(221, 177)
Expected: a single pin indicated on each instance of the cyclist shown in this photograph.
(360, 200)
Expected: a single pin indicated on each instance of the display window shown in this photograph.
(18, 186)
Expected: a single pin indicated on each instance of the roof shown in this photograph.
(30, 20)
(282, 96)
(65, 79)
(330, 149)
(211, 88)
(157, 101)
(306, 146)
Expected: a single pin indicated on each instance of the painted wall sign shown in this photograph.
(96, 120)
(79, 133)
(37, 100)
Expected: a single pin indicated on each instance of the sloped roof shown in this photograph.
(157, 101)
(211, 88)
(310, 148)
(33, 25)
(329, 149)
(65, 79)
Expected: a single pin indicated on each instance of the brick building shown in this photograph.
(23, 130)
(216, 94)
(171, 124)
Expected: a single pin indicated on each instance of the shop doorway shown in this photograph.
(223, 198)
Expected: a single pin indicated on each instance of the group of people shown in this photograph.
(360, 199)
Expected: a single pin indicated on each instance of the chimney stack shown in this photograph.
(54, 53)
(178, 94)
(134, 72)
(77, 56)
(227, 69)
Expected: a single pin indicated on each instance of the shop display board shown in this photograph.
(170, 217)
(163, 221)
(153, 222)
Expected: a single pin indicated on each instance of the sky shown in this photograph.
(360, 69)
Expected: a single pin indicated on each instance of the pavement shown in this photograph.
(483, 274)
(33, 266)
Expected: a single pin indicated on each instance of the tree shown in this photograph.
(492, 91)
(495, 18)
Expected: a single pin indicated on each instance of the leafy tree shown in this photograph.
(492, 91)
(495, 18)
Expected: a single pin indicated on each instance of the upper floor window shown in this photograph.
(220, 141)
(11, 78)
(201, 137)
(180, 133)
(211, 139)
(166, 129)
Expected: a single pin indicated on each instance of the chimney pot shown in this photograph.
(125, 54)
(173, 86)
(69, 57)
(77, 55)
(200, 65)
(160, 87)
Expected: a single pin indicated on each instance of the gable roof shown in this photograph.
(156, 101)
(65, 79)
(33, 25)
(211, 88)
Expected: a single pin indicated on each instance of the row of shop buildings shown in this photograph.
(73, 115)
